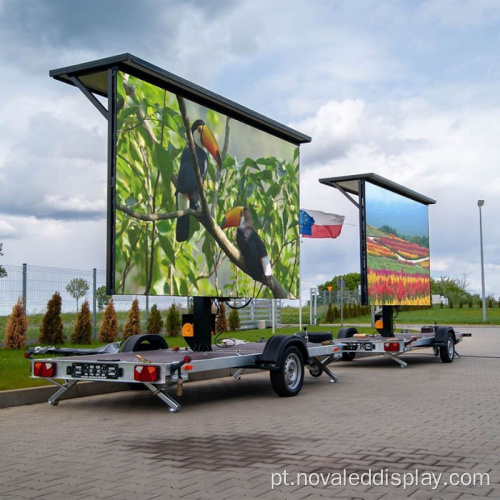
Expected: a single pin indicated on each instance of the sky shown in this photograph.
(407, 90)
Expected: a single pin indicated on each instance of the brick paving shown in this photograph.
(232, 437)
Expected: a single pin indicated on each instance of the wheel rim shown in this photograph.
(314, 369)
(451, 348)
(292, 371)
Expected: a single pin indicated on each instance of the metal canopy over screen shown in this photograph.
(394, 234)
(224, 226)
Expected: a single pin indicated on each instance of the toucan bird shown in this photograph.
(249, 243)
(187, 189)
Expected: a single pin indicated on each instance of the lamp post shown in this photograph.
(480, 203)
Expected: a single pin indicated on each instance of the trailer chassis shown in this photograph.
(284, 356)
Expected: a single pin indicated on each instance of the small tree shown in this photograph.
(77, 288)
(51, 330)
(82, 333)
(336, 313)
(133, 324)
(3, 272)
(16, 327)
(234, 320)
(108, 328)
(155, 323)
(102, 298)
(173, 324)
(221, 319)
(329, 314)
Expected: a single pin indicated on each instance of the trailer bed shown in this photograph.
(163, 368)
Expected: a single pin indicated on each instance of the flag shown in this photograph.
(316, 224)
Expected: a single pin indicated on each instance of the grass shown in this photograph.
(444, 316)
(14, 368)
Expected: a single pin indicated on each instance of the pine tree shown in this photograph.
(16, 327)
(173, 324)
(329, 314)
(82, 333)
(221, 319)
(133, 324)
(234, 320)
(108, 329)
(155, 323)
(51, 330)
(336, 313)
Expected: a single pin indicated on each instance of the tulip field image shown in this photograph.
(397, 248)
(204, 204)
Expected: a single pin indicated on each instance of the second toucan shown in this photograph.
(249, 243)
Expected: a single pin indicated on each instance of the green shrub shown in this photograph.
(173, 325)
(234, 320)
(329, 314)
(51, 329)
(155, 323)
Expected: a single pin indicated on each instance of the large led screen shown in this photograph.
(220, 223)
(397, 249)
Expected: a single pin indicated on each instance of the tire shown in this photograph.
(316, 337)
(288, 380)
(447, 352)
(345, 333)
(315, 369)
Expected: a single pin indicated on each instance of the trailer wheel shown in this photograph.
(447, 352)
(315, 369)
(288, 380)
(345, 333)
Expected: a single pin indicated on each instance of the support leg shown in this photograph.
(395, 358)
(173, 405)
(239, 373)
(54, 399)
(324, 363)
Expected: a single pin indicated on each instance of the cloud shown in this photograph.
(6, 229)
(449, 154)
(408, 90)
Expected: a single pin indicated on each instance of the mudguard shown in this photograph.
(272, 357)
(442, 333)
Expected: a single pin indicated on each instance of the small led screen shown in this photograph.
(220, 223)
(397, 249)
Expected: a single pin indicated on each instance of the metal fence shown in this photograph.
(37, 284)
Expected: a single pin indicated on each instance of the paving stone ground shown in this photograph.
(233, 439)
